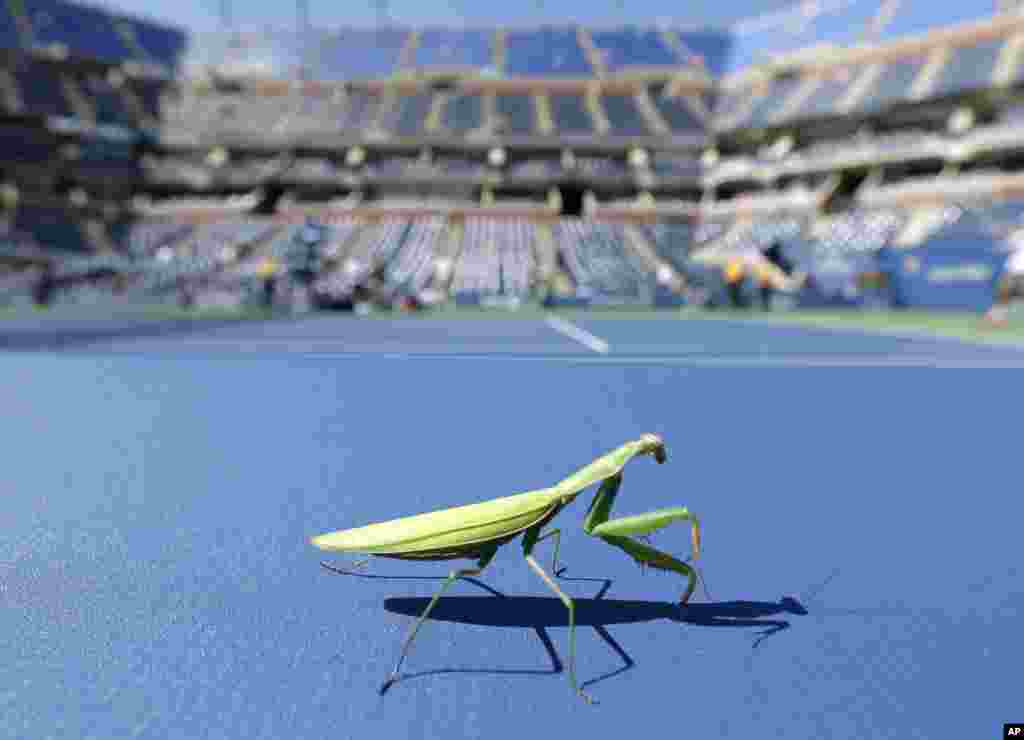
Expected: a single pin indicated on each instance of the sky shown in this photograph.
(203, 15)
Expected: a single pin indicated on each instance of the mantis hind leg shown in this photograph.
(455, 575)
(621, 532)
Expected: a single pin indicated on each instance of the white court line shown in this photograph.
(568, 329)
(751, 363)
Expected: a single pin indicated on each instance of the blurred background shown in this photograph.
(855, 154)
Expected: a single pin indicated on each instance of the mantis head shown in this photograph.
(652, 444)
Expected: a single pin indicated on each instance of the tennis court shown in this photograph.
(858, 495)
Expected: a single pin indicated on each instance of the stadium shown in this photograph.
(262, 284)
(561, 164)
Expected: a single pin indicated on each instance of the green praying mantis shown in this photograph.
(476, 531)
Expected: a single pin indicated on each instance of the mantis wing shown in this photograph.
(447, 529)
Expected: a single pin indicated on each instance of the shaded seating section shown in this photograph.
(892, 85)
(516, 114)
(671, 242)
(411, 114)
(148, 93)
(633, 47)
(142, 239)
(826, 94)
(676, 114)
(708, 50)
(201, 253)
(40, 89)
(496, 260)
(771, 102)
(24, 145)
(412, 266)
(9, 38)
(968, 67)
(601, 266)
(570, 114)
(675, 166)
(106, 158)
(624, 116)
(359, 109)
(358, 53)
(164, 45)
(85, 31)
(545, 52)
(52, 228)
(462, 113)
(601, 166)
(106, 100)
(440, 47)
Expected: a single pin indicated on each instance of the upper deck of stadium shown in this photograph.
(578, 52)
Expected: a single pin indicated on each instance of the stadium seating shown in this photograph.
(677, 115)
(356, 53)
(496, 260)
(599, 262)
(40, 88)
(84, 30)
(516, 113)
(462, 113)
(548, 52)
(448, 48)
(624, 116)
(570, 114)
(632, 47)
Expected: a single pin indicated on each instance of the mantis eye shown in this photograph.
(656, 446)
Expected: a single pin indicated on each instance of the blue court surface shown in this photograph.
(859, 496)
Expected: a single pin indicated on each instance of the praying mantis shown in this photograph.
(476, 531)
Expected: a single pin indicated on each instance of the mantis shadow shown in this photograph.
(541, 613)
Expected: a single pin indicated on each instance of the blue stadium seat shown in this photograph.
(453, 48)
(462, 113)
(671, 241)
(106, 99)
(548, 52)
(516, 113)
(597, 259)
(355, 54)
(892, 85)
(624, 116)
(359, 110)
(675, 112)
(52, 228)
(412, 113)
(771, 102)
(24, 145)
(570, 114)
(106, 158)
(166, 46)
(40, 88)
(85, 31)
(969, 67)
(148, 94)
(9, 38)
(632, 47)
(708, 49)
(826, 95)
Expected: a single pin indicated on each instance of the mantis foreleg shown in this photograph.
(621, 532)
